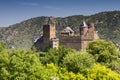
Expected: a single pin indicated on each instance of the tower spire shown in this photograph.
(83, 28)
(84, 24)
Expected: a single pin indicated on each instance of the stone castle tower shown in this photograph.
(83, 28)
(67, 37)
(49, 31)
(87, 34)
(48, 39)
(80, 42)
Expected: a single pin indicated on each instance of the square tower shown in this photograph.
(48, 33)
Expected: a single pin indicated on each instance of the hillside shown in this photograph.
(23, 35)
(1, 27)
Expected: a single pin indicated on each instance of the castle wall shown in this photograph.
(85, 39)
(67, 38)
(75, 42)
(84, 44)
(70, 42)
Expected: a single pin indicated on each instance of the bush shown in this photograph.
(77, 61)
(99, 46)
(2, 46)
(103, 51)
(99, 72)
(54, 55)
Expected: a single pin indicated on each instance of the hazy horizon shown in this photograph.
(15, 11)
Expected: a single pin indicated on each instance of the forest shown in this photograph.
(100, 61)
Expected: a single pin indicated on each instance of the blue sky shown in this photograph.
(15, 11)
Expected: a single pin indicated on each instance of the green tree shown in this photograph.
(2, 45)
(77, 61)
(54, 55)
(103, 51)
(4, 61)
(65, 75)
(115, 65)
(20, 65)
(99, 72)
(24, 65)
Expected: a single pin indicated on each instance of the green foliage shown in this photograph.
(65, 75)
(26, 65)
(30, 65)
(19, 65)
(4, 62)
(115, 65)
(99, 46)
(99, 72)
(54, 55)
(2, 45)
(22, 35)
(103, 51)
(78, 60)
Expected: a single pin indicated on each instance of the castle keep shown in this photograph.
(67, 37)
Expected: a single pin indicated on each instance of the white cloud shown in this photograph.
(30, 4)
(51, 7)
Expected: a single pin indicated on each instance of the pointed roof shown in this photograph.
(67, 29)
(84, 24)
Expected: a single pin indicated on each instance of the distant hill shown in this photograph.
(1, 28)
(23, 35)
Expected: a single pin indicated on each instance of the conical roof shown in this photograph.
(84, 24)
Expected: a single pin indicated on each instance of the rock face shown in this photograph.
(67, 37)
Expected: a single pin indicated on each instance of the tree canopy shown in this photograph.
(58, 64)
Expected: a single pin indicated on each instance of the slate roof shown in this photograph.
(84, 24)
(40, 40)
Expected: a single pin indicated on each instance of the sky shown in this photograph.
(15, 11)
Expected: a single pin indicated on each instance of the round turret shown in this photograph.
(91, 27)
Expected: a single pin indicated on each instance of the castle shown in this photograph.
(67, 37)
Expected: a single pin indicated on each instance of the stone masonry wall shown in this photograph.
(70, 42)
